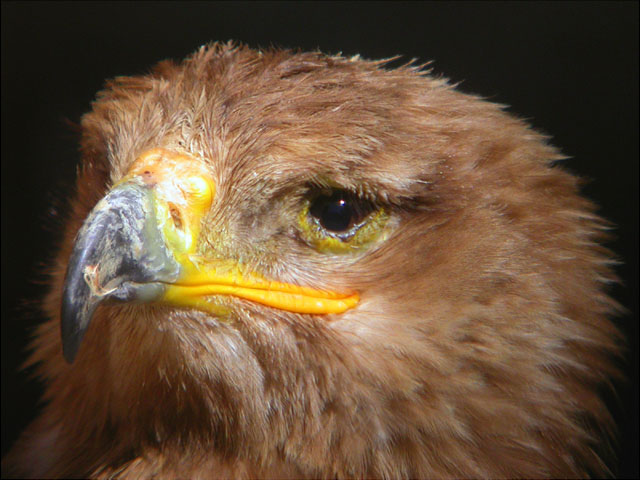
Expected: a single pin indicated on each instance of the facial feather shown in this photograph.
(482, 333)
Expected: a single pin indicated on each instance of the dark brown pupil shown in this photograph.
(335, 212)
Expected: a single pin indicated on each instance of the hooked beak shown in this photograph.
(139, 244)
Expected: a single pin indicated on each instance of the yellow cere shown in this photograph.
(183, 194)
(370, 231)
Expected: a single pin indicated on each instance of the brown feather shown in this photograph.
(479, 345)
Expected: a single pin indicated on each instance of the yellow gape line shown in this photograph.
(195, 296)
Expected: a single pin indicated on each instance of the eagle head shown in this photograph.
(283, 264)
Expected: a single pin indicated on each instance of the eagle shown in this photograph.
(288, 264)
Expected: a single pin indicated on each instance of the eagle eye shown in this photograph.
(339, 211)
(340, 221)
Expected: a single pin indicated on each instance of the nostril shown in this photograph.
(175, 215)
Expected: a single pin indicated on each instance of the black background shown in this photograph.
(570, 68)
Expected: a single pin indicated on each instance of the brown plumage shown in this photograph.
(480, 337)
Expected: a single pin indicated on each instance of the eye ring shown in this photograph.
(340, 221)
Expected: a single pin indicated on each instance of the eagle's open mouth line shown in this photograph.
(287, 297)
(266, 285)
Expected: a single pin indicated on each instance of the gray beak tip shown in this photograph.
(75, 316)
